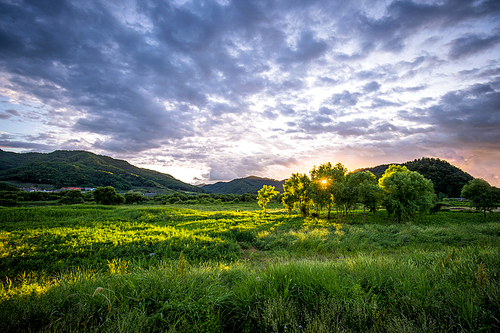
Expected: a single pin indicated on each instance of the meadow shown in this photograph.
(229, 268)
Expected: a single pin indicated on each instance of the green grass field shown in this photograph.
(228, 268)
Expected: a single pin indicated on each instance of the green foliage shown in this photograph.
(447, 179)
(366, 189)
(297, 192)
(481, 195)
(131, 198)
(204, 198)
(406, 193)
(72, 197)
(8, 187)
(81, 168)
(265, 194)
(156, 269)
(108, 196)
(321, 182)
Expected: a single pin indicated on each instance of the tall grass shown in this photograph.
(421, 292)
(167, 269)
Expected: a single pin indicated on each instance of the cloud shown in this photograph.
(468, 117)
(371, 87)
(472, 44)
(380, 103)
(243, 166)
(345, 99)
(307, 49)
(195, 81)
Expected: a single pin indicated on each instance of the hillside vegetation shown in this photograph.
(83, 169)
(446, 178)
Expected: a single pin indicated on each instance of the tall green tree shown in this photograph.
(338, 189)
(264, 195)
(321, 181)
(481, 195)
(108, 196)
(297, 193)
(367, 191)
(406, 193)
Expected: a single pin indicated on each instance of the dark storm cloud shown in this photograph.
(83, 56)
(472, 44)
(468, 117)
(403, 18)
(25, 145)
(307, 49)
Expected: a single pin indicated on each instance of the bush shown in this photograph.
(8, 202)
(72, 197)
(131, 198)
(108, 196)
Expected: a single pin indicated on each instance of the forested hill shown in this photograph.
(244, 185)
(63, 168)
(447, 179)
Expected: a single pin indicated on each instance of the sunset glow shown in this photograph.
(217, 90)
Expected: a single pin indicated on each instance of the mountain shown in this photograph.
(447, 179)
(244, 185)
(63, 168)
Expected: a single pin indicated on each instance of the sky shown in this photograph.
(215, 90)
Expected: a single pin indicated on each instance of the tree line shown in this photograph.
(402, 192)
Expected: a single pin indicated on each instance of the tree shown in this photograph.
(338, 190)
(71, 197)
(297, 192)
(108, 196)
(406, 192)
(481, 195)
(321, 180)
(131, 198)
(367, 190)
(264, 195)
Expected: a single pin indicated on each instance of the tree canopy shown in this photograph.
(108, 196)
(297, 193)
(481, 195)
(406, 192)
(264, 195)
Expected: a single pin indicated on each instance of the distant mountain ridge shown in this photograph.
(250, 185)
(81, 168)
(446, 178)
